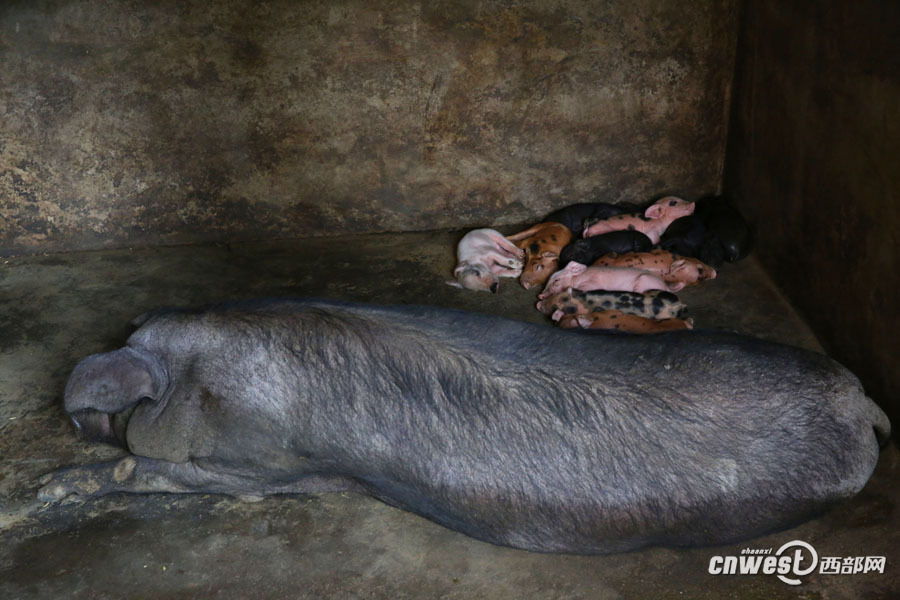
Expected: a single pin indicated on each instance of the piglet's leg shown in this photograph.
(141, 475)
(500, 264)
(507, 247)
(524, 234)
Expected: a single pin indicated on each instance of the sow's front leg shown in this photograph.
(139, 474)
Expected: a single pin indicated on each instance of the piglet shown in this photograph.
(668, 265)
(582, 277)
(727, 227)
(574, 215)
(617, 320)
(542, 244)
(652, 223)
(688, 236)
(587, 250)
(483, 255)
(656, 304)
(685, 235)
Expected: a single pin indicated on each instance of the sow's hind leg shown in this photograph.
(142, 475)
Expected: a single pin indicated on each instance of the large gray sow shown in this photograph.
(512, 433)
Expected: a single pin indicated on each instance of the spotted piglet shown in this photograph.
(542, 245)
(652, 223)
(655, 304)
(617, 320)
(668, 265)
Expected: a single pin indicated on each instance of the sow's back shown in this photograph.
(512, 433)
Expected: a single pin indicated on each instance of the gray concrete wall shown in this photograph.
(813, 158)
(159, 122)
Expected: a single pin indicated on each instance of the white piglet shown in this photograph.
(484, 255)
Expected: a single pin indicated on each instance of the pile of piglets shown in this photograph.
(606, 266)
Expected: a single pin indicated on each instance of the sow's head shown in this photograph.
(104, 390)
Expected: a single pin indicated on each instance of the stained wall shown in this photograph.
(146, 122)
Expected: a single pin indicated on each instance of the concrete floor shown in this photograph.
(55, 309)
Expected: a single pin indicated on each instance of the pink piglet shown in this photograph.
(652, 223)
(621, 279)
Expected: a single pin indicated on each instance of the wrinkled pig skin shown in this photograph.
(655, 304)
(617, 320)
(668, 265)
(587, 250)
(616, 442)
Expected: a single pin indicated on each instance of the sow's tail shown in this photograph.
(880, 422)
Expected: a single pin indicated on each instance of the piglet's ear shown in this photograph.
(114, 381)
(574, 267)
(677, 265)
(548, 254)
(654, 211)
(584, 321)
(454, 283)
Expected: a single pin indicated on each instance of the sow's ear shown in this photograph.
(114, 381)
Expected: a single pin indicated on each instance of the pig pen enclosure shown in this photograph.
(179, 153)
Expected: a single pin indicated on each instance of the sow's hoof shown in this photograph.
(70, 485)
(77, 484)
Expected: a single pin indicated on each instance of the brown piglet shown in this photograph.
(619, 321)
(542, 244)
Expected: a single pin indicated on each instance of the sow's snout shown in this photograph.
(96, 426)
(104, 390)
